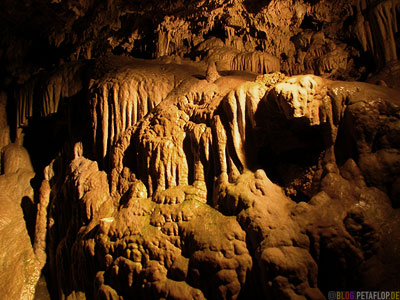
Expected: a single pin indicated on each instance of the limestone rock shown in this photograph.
(20, 268)
(199, 149)
(155, 230)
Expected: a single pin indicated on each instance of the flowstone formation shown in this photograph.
(245, 159)
(186, 208)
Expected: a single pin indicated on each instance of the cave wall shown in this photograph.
(199, 149)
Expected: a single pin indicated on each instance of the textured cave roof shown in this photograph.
(39, 34)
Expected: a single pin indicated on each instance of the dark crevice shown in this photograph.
(310, 22)
(332, 273)
(187, 148)
(299, 197)
(217, 31)
(145, 47)
(254, 6)
(288, 150)
(282, 165)
(44, 138)
(251, 288)
(345, 146)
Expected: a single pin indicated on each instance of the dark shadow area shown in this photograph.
(363, 63)
(287, 149)
(252, 288)
(217, 31)
(311, 23)
(145, 47)
(312, 2)
(130, 159)
(238, 73)
(187, 148)
(254, 6)
(124, 201)
(44, 138)
(200, 77)
(287, 168)
(397, 36)
(335, 275)
(300, 197)
(209, 174)
(29, 209)
(11, 110)
(345, 145)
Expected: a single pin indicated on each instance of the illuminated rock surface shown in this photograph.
(199, 150)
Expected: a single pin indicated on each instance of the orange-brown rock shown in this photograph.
(199, 149)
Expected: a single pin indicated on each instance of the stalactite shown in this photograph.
(377, 28)
(25, 103)
(119, 102)
(170, 36)
(232, 59)
(239, 108)
(42, 94)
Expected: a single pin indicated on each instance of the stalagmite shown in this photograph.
(39, 245)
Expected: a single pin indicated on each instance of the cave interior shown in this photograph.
(205, 149)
